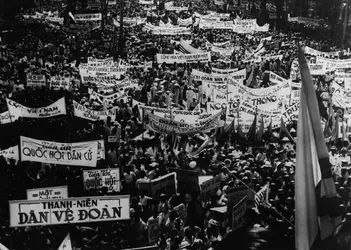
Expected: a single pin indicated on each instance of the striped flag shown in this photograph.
(261, 197)
(66, 244)
(316, 213)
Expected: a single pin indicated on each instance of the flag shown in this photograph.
(66, 244)
(260, 131)
(72, 17)
(269, 133)
(316, 213)
(284, 131)
(261, 197)
(251, 135)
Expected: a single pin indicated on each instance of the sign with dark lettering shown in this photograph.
(69, 211)
(76, 154)
(48, 193)
(97, 179)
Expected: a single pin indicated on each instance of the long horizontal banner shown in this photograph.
(92, 115)
(73, 154)
(183, 58)
(48, 193)
(95, 180)
(167, 126)
(226, 25)
(177, 115)
(314, 52)
(69, 211)
(224, 71)
(19, 110)
(171, 31)
(334, 63)
(202, 76)
(88, 17)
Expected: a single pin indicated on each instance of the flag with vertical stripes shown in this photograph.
(316, 203)
(261, 197)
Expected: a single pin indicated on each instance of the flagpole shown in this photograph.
(269, 205)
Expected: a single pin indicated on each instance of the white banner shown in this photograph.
(36, 80)
(73, 154)
(222, 51)
(69, 211)
(55, 109)
(167, 126)
(186, 45)
(92, 115)
(95, 180)
(175, 8)
(239, 76)
(101, 71)
(105, 61)
(225, 25)
(314, 52)
(171, 31)
(88, 17)
(202, 76)
(48, 193)
(185, 22)
(334, 63)
(183, 58)
(151, 2)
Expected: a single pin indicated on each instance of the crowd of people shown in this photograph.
(187, 218)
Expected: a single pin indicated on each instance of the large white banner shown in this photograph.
(74, 154)
(183, 58)
(101, 71)
(225, 25)
(202, 76)
(171, 31)
(95, 180)
(334, 63)
(224, 71)
(185, 22)
(48, 193)
(317, 69)
(18, 110)
(69, 211)
(222, 51)
(186, 45)
(92, 115)
(314, 52)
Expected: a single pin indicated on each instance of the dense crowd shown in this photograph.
(37, 47)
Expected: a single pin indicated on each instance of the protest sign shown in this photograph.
(202, 76)
(73, 154)
(317, 69)
(48, 193)
(235, 194)
(188, 180)
(238, 214)
(168, 126)
(95, 180)
(88, 17)
(36, 80)
(7, 118)
(92, 115)
(105, 61)
(10, 153)
(55, 109)
(210, 186)
(222, 51)
(153, 230)
(165, 184)
(58, 82)
(69, 211)
(183, 58)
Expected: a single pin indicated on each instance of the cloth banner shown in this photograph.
(95, 180)
(222, 51)
(317, 69)
(183, 58)
(167, 126)
(69, 211)
(72, 154)
(332, 64)
(186, 45)
(92, 115)
(225, 25)
(202, 76)
(224, 71)
(314, 52)
(18, 110)
(185, 22)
